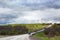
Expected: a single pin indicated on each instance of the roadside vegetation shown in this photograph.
(16, 29)
(52, 33)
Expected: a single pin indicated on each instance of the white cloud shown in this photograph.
(34, 16)
(5, 10)
(39, 16)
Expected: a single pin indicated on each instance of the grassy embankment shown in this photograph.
(17, 29)
(42, 36)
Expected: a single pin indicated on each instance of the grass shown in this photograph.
(41, 36)
(31, 27)
(53, 38)
(16, 29)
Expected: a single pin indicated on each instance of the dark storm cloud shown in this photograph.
(26, 8)
(33, 4)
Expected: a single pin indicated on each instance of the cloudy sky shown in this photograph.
(29, 11)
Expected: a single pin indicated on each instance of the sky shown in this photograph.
(29, 11)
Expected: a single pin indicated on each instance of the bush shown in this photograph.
(53, 31)
(15, 29)
(9, 30)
